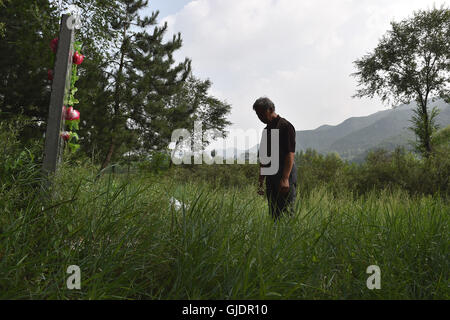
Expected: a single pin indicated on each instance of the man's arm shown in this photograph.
(288, 163)
(289, 135)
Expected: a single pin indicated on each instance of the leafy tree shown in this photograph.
(411, 63)
(26, 57)
(193, 103)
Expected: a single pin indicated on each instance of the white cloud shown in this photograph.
(297, 52)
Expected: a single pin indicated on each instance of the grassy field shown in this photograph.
(132, 242)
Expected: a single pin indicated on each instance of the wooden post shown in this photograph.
(59, 95)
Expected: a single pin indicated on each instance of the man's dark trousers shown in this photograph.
(280, 203)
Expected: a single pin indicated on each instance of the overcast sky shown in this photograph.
(299, 53)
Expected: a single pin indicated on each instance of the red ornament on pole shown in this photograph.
(72, 114)
(65, 135)
(77, 58)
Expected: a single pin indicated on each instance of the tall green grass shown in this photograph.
(131, 242)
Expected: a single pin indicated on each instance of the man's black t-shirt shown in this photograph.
(286, 144)
(287, 134)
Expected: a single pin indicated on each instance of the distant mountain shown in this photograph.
(354, 137)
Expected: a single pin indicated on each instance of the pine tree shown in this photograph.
(141, 75)
(143, 94)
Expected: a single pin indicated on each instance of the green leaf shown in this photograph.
(69, 125)
(74, 135)
(73, 147)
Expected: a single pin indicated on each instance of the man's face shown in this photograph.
(263, 114)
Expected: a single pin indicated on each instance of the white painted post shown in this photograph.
(59, 96)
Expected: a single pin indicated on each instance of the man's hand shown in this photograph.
(284, 186)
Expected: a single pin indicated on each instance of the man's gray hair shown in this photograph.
(264, 103)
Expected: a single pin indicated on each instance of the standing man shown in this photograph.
(281, 186)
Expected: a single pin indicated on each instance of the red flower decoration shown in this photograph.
(72, 114)
(77, 58)
(50, 74)
(54, 45)
(65, 135)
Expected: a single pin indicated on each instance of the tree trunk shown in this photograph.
(425, 138)
(112, 145)
(109, 155)
(427, 135)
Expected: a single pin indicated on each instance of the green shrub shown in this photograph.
(20, 164)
